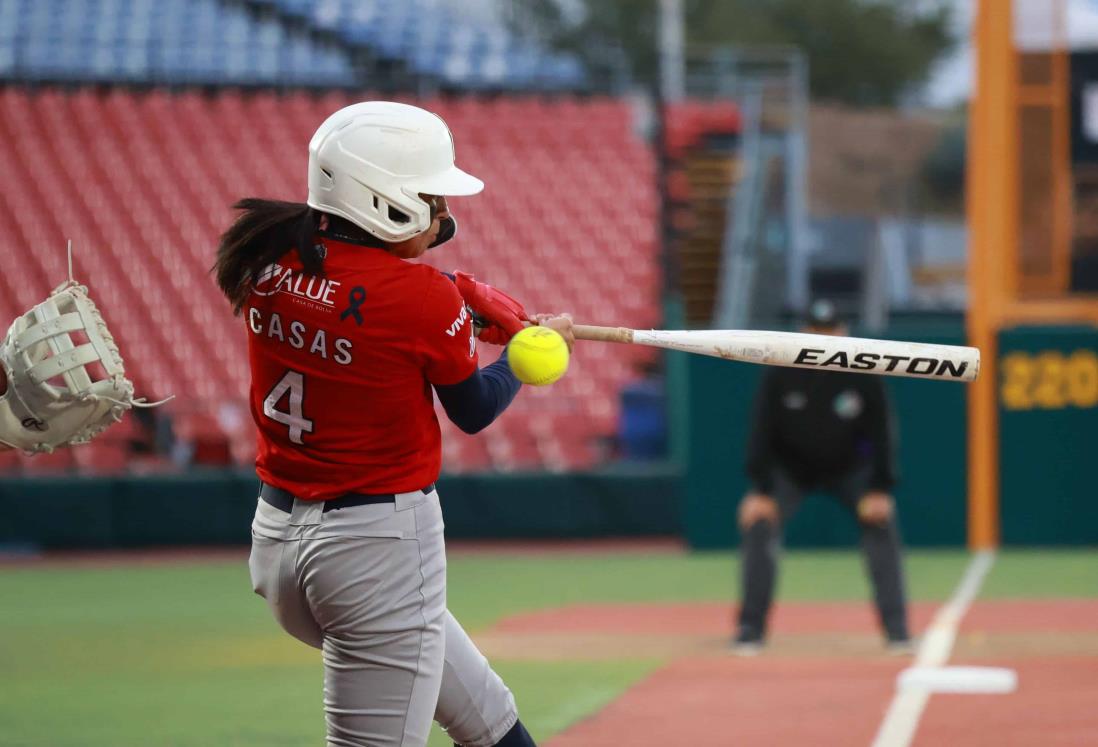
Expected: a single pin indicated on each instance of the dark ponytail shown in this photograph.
(264, 232)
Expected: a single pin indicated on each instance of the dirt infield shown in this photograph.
(671, 630)
(729, 701)
(1056, 704)
(824, 678)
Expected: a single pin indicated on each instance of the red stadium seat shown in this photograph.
(464, 453)
(143, 183)
(10, 462)
(206, 441)
(103, 457)
(61, 460)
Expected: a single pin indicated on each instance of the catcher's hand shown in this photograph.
(498, 316)
(51, 398)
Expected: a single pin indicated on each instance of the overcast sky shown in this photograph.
(952, 81)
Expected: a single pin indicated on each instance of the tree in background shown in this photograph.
(861, 52)
(942, 187)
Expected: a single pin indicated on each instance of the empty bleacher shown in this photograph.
(142, 183)
(162, 41)
(333, 43)
(467, 44)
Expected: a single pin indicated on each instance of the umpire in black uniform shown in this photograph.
(827, 431)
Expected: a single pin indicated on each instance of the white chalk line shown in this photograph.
(902, 718)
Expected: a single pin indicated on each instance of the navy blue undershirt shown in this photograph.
(474, 403)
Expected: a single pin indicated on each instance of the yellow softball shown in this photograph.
(538, 355)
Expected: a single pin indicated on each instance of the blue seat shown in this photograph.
(398, 29)
(214, 41)
(175, 41)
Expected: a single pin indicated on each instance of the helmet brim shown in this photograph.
(451, 183)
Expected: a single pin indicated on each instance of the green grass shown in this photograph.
(553, 695)
(186, 655)
(1043, 573)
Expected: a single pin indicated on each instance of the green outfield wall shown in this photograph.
(1048, 420)
(1049, 438)
(930, 496)
(215, 507)
(1049, 446)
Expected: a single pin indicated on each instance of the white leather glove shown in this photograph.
(51, 399)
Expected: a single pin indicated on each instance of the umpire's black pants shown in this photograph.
(761, 545)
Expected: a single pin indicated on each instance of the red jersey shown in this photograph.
(342, 367)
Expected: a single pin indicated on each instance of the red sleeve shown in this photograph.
(446, 340)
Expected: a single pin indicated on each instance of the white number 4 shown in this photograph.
(294, 383)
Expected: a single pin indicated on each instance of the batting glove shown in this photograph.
(502, 316)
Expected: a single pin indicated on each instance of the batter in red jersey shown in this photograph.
(341, 367)
(349, 343)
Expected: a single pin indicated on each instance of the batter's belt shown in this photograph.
(284, 500)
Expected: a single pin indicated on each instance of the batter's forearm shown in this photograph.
(472, 405)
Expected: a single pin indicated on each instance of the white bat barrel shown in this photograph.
(823, 352)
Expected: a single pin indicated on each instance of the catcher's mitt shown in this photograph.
(52, 399)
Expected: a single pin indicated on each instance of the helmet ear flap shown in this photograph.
(389, 219)
(447, 229)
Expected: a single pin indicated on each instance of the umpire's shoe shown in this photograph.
(749, 641)
(900, 646)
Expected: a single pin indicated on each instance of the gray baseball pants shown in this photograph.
(367, 586)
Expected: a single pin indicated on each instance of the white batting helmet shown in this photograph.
(369, 162)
